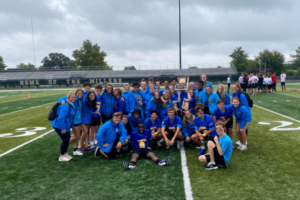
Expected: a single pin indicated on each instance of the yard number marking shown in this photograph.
(281, 127)
(27, 132)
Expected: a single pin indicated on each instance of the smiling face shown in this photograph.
(116, 93)
(156, 95)
(72, 98)
(234, 88)
(203, 78)
(136, 115)
(125, 120)
(153, 116)
(171, 89)
(208, 90)
(235, 103)
(191, 93)
(152, 89)
(136, 89)
(141, 128)
(200, 86)
(116, 119)
(219, 129)
(220, 89)
(127, 88)
(109, 89)
(92, 96)
(174, 82)
(87, 88)
(166, 84)
(221, 106)
(79, 94)
(200, 114)
(143, 85)
(165, 95)
(188, 114)
(157, 84)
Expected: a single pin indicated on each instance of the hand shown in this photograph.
(141, 104)
(63, 132)
(187, 139)
(167, 142)
(216, 139)
(62, 103)
(153, 135)
(171, 142)
(106, 145)
(119, 145)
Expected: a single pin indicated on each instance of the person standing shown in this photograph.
(241, 78)
(274, 81)
(228, 83)
(282, 80)
(260, 84)
(254, 80)
(135, 98)
(108, 103)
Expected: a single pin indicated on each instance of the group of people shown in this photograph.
(267, 84)
(137, 121)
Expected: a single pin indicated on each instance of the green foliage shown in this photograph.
(90, 56)
(130, 68)
(296, 58)
(290, 73)
(55, 60)
(24, 66)
(252, 64)
(193, 67)
(239, 59)
(273, 59)
(2, 65)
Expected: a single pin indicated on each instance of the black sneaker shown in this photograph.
(97, 152)
(165, 162)
(128, 165)
(118, 153)
(210, 166)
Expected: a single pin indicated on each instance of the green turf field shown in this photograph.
(267, 170)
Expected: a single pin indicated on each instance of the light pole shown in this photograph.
(179, 36)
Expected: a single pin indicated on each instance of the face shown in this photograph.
(191, 93)
(154, 116)
(150, 82)
(199, 86)
(156, 95)
(125, 120)
(127, 88)
(116, 93)
(141, 128)
(203, 78)
(171, 88)
(200, 113)
(188, 114)
(109, 89)
(116, 119)
(234, 89)
(219, 129)
(208, 90)
(171, 113)
(136, 115)
(143, 85)
(166, 84)
(72, 98)
(191, 86)
(92, 96)
(136, 88)
(98, 90)
(157, 84)
(220, 89)
(152, 89)
(165, 95)
(235, 103)
(79, 94)
(87, 88)
(174, 82)
(221, 106)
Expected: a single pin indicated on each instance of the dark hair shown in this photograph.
(98, 86)
(87, 84)
(150, 79)
(124, 116)
(135, 84)
(137, 111)
(157, 80)
(154, 111)
(200, 81)
(197, 109)
(91, 104)
(119, 91)
(117, 114)
(174, 79)
(158, 101)
(220, 101)
(112, 88)
(167, 80)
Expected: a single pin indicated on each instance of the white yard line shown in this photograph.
(285, 95)
(278, 113)
(30, 98)
(274, 101)
(259, 101)
(288, 100)
(7, 152)
(5, 108)
(19, 107)
(186, 178)
(25, 109)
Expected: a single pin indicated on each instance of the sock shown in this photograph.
(131, 162)
(96, 142)
(92, 143)
(75, 149)
(213, 163)
(158, 160)
(202, 147)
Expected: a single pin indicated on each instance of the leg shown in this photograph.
(134, 158)
(152, 156)
(85, 132)
(196, 139)
(229, 133)
(76, 136)
(203, 158)
(211, 147)
(179, 136)
(237, 128)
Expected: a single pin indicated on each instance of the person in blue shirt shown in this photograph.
(157, 84)
(166, 104)
(243, 120)
(96, 117)
(149, 96)
(174, 82)
(120, 106)
(166, 84)
(204, 126)
(212, 99)
(224, 114)
(188, 128)
(108, 103)
(223, 95)
(141, 148)
(171, 128)
(174, 98)
(200, 95)
(219, 150)
(134, 118)
(126, 90)
(87, 87)
(154, 104)
(187, 100)
(135, 99)
(150, 82)
(111, 137)
(154, 125)
(206, 83)
(62, 125)
(144, 87)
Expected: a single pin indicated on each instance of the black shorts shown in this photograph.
(228, 84)
(171, 133)
(254, 85)
(274, 85)
(269, 87)
(112, 152)
(229, 124)
(206, 111)
(76, 125)
(264, 85)
(282, 83)
(208, 138)
(218, 158)
(95, 121)
(142, 152)
(260, 87)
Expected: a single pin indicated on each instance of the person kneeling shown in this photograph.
(219, 151)
(111, 137)
(141, 149)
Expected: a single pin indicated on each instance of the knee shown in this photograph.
(194, 137)
(210, 143)
(202, 159)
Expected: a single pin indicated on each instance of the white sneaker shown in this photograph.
(238, 143)
(77, 153)
(178, 144)
(168, 147)
(159, 144)
(63, 159)
(243, 147)
(198, 147)
(68, 156)
(162, 140)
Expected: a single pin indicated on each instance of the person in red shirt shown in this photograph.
(274, 81)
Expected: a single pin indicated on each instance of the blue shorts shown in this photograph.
(242, 123)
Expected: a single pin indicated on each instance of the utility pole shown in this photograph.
(33, 43)
(180, 63)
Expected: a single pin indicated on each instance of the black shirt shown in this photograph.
(128, 128)
(260, 80)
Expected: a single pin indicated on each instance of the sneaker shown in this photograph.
(63, 159)
(97, 152)
(165, 162)
(238, 143)
(158, 144)
(118, 153)
(168, 147)
(83, 150)
(124, 148)
(88, 149)
(202, 151)
(93, 147)
(77, 153)
(198, 147)
(128, 165)
(68, 156)
(210, 166)
(162, 140)
(243, 148)
(182, 143)
(178, 144)
(233, 147)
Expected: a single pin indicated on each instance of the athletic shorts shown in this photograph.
(95, 121)
(142, 152)
(208, 138)
(228, 84)
(260, 87)
(229, 124)
(274, 84)
(171, 133)
(264, 85)
(242, 124)
(254, 85)
(218, 158)
(76, 125)
(206, 111)
(282, 83)
(269, 87)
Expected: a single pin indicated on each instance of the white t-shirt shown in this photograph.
(268, 81)
(228, 80)
(254, 79)
(264, 82)
(282, 77)
(241, 79)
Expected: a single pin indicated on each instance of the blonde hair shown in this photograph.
(238, 86)
(191, 120)
(164, 104)
(126, 85)
(223, 91)
(69, 95)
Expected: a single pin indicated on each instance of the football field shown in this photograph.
(29, 150)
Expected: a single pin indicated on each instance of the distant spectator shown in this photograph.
(282, 80)
(274, 81)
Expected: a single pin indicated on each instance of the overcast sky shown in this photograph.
(145, 32)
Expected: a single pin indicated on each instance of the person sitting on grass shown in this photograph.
(134, 118)
(219, 150)
(141, 148)
(111, 137)
(154, 125)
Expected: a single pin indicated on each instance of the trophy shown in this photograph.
(182, 83)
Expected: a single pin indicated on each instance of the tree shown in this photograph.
(89, 55)
(2, 65)
(272, 59)
(239, 59)
(193, 67)
(55, 60)
(130, 68)
(252, 64)
(296, 58)
(24, 66)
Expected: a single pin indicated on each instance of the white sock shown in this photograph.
(92, 143)
(96, 142)
(213, 163)
(202, 147)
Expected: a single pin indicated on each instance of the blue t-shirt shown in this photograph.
(174, 98)
(162, 91)
(213, 102)
(223, 116)
(96, 111)
(187, 104)
(138, 99)
(77, 118)
(140, 141)
(152, 126)
(172, 125)
(226, 146)
(206, 124)
(201, 96)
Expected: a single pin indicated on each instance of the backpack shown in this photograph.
(250, 101)
(52, 113)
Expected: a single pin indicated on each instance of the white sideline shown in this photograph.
(24, 143)
(285, 94)
(25, 109)
(186, 178)
(277, 113)
(31, 98)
